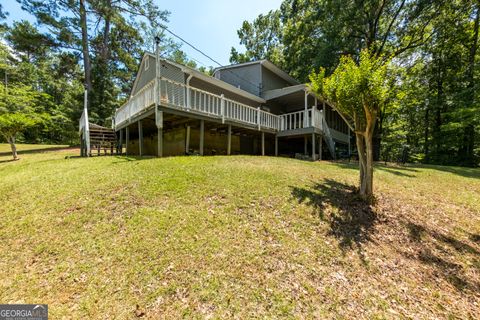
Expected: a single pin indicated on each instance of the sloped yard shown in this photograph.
(237, 237)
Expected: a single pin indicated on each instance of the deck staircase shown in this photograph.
(94, 137)
(327, 136)
(102, 138)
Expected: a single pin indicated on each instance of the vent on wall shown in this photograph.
(146, 63)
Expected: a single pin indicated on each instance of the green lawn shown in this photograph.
(237, 237)
(5, 148)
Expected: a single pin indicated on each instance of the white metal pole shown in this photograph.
(158, 113)
(87, 126)
(305, 117)
(157, 71)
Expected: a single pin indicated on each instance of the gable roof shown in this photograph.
(267, 64)
(200, 75)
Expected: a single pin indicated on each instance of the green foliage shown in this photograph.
(13, 123)
(261, 38)
(432, 115)
(354, 87)
(26, 40)
(17, 112)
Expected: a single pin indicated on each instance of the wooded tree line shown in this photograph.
(71, 46)
(432, 112)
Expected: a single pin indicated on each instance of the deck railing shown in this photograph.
(179, 96)
(301, 119)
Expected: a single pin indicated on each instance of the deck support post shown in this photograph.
(159, 124)
(276, 146)
(314, 156)
(187, 140)
(320, 147)
(263, 143)
(202, 135)
(120, 143)
(127, 139)
(305, 147)
(229, 140)
(81, 146)
(140, 138)
(160, 142)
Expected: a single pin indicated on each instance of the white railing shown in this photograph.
(269, 120)
(180, 96)
(240, 112)
(301, 119)
(317, 119)
(293, 120)
(139, 102)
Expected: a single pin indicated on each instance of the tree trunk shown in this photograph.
(85, 50)
(368, 166)
(437, 116)
(426, 135)
(106, 32)
(366, 190)
(362, 161)
(11, 141)
(468, 144)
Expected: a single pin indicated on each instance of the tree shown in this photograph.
(437, 117)
(261, 38)
(28, 42)
(316, 33)
(17, 113)
(357, 91)
(108, 34)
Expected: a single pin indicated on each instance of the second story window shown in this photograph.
(146, 63)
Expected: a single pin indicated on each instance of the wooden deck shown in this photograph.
(185, 100)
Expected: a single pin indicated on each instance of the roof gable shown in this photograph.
(265, 63)
(199, 75)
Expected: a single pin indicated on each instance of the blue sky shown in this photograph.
(210, 25)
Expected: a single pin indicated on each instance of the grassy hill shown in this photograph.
(237, 236)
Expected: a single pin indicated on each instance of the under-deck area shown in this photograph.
(186, 134)
(182, 135)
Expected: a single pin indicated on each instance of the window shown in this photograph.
(146, 64)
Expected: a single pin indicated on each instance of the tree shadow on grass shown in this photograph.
(461, 171)
(475, 237)
(123, 159)
(399, 170)
(439, 251)
(350, 219)
(410, 169)
(8, 160)
(39, 150)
